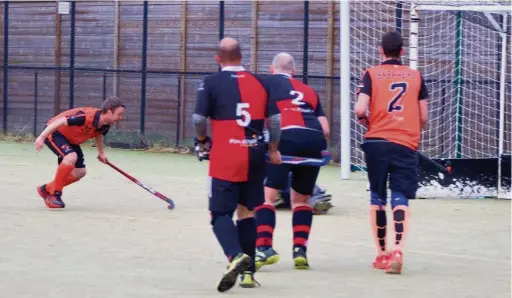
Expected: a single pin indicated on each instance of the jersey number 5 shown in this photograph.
(402, 87)
(241, 111)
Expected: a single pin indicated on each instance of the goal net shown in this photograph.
(463, 49)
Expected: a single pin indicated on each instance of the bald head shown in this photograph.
(284, 63)
(229, 50)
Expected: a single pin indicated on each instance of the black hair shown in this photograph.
(392, 44)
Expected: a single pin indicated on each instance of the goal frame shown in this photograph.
(416, 8)
(501, 30)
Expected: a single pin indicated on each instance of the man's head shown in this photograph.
(229, 52)
(283, 63)
(112, 109)
(391, 46)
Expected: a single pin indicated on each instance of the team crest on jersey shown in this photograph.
(300, 110)
(87, 129)
(245, 142)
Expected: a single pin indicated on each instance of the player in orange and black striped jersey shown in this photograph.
(63, 135)
(396, 97)
(238, 107)
(304, 133)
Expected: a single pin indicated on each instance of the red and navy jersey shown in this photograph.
(236, 103)
(297, 102)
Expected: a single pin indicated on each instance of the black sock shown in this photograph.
(247, 236)
(381, 228)
(399, 218)
(226, 232)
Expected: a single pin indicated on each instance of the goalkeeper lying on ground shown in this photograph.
(319, 201)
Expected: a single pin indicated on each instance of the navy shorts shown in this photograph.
(302, 143)
(59, 145)
(399, 163)
(224, 196)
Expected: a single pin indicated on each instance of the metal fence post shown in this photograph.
(36, 75)
(443, 104)
(104, 85)
(6, 65)
(72, 56)
(178, 114)
(305, 57)
(221, 19)
(399, 16)
(144, 69)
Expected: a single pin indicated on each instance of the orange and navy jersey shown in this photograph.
(298, 103)
(395, 91)
(236, 103)
(82, 124)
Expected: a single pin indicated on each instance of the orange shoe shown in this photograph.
(395, 262)
(381, 262)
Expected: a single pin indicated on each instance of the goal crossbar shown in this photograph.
(478, 8)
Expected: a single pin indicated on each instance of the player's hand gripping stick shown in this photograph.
(146, 187)
(439, 167)
(307, 161)
(202, 148)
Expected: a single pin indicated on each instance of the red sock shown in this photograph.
(63, 171)
(69, 180)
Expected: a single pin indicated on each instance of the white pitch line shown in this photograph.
(16, 163)
(423, 252)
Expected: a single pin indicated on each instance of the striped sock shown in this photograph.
(301, 221)
(265, 223)
(379, 224)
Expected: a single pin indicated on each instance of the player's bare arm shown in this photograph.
(99, 145)
(423, 113)
(274, 127)
(364, 91)
(423, 96)
(322, 119)
(51, 128)
(201, 141)
(199, 122)
(360, 108)
(325, 126)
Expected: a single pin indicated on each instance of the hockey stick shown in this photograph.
(438, 166)
(306, 161)
(151, 190)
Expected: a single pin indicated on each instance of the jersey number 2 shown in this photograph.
(298, 100)
(393, 104)
(241, 111)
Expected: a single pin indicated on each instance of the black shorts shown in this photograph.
(302, 143)
(224, 196)
(59, 145)
(399, 163)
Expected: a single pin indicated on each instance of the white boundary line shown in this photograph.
(423, 252)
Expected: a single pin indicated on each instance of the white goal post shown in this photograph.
(463, 49)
